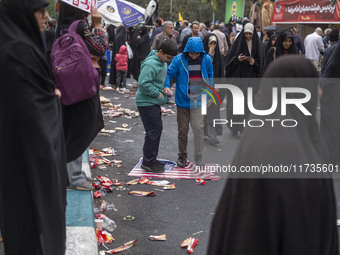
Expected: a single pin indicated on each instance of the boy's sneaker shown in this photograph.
(117, 89)
(181, 162)
(161, 163)
(213, 141)
(156, 167)
(125, 90)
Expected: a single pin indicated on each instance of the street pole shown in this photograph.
(171, 10)
(212, 6)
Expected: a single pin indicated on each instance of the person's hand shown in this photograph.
(57, 93)
(212, 47)
(209, 103)
(251, 61)
(241, 57)
(96, 18)
(167, 91)
(95, 60)
(138, 37)
(160, 96)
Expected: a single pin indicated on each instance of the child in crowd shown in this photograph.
(122, 67)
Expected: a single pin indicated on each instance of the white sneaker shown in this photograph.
(117, 89)
(126, 90)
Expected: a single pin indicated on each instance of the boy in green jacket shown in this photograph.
(149, 98)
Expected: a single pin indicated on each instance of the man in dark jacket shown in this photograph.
(195, 32)
(299, 45)
(158, 29)
(333, 42)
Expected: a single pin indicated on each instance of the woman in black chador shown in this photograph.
(279, 213)
(244, 61)
(143, 48)
(283, 45)
(330, 104)
(119, 40)
(210, 43)
(33, 175)
(83, 120)
(269, 44)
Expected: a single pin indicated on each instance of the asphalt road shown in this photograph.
(178, 213)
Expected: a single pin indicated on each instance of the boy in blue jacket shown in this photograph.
(149, 97)
(192, 70)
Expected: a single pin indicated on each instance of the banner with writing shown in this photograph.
(293, 11)
(84, 5)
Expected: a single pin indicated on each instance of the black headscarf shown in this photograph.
(143, 30)
(144, 43)
(31, 127)
(282, 35)
(330, 105)
(217, 60)
(278, 48)
(269, 44)
(22, 15)
(235, 68)
(120, 38)
(111, 33)
(262, 216)
(67, 15)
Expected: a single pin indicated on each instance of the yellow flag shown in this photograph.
(180, 17)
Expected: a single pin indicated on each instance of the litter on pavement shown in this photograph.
(121, 248)
(190, 243)
(157, 238)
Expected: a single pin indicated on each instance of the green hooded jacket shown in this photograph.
(151, 80)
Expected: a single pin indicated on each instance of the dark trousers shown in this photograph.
(113, 77)
(121, 79)
(103, 64)
(152, 121)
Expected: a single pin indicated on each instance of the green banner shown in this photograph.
(235, 7)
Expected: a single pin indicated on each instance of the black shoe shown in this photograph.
(154, 168)
(181, 162)
(160, 163)
(213, 141)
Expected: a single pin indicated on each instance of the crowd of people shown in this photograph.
(254, 216)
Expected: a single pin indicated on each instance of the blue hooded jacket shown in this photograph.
(179, 68)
